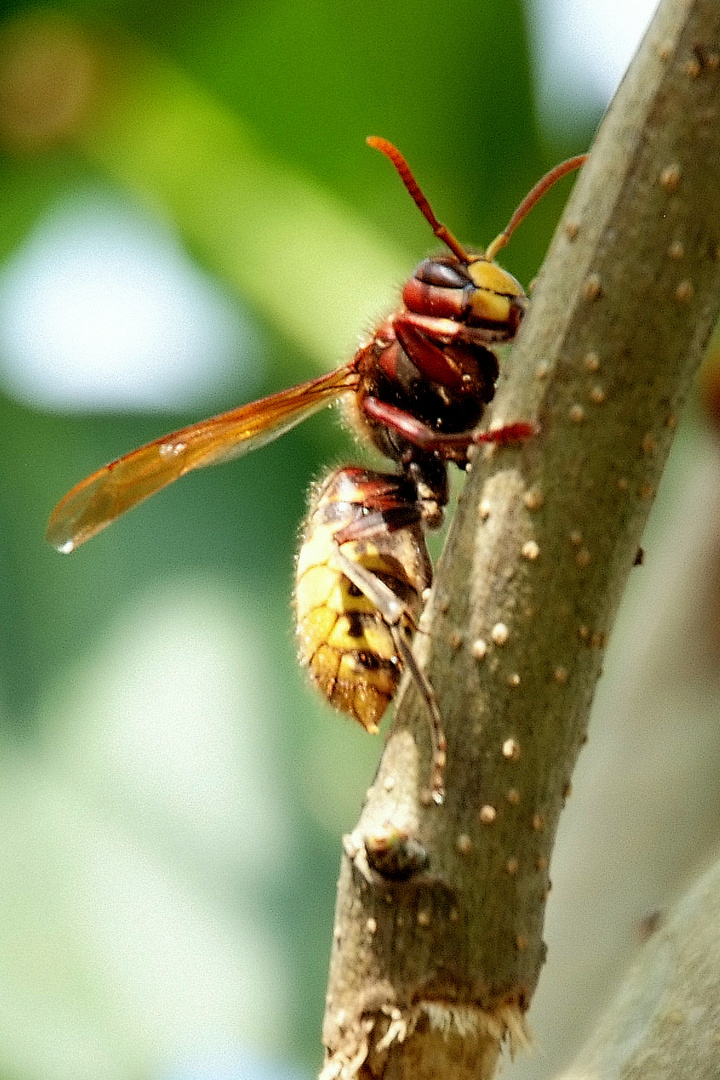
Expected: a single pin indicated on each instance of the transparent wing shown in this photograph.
(96, 501)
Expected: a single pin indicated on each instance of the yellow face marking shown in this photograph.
(490, 276)
(497, 292)
(489, 307)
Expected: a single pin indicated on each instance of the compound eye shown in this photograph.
(442, 274)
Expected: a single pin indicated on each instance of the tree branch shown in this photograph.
(438, 943)
(665, 1018)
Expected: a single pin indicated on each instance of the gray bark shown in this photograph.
(430, 973)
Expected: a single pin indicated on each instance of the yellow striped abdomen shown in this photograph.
(344, 639)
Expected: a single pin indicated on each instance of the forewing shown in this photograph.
(96, 501)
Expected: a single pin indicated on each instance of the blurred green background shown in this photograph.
(191, 219)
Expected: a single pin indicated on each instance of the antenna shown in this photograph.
(441, 231)
(531, 199)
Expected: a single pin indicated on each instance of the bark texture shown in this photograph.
(665, 1020)
(438, 936)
